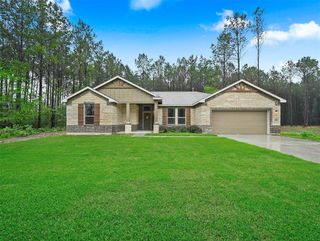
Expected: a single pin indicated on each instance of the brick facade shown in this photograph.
(111, 117)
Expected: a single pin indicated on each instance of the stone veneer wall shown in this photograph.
(238, 100)
(97, 129)
(109, 113)
(275, 129)
(112, 116)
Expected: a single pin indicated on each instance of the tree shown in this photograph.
(41, 36)
(257, 28)
(15, 29)
(237, 25)
(222, 51)
(209, 74)
(59, 51)
(307, 69)
(209, 89)
(158, 73)
(144, 65)
(249, 73)
(83, 53)
(288, 71)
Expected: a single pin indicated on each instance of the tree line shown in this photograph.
(44, 58)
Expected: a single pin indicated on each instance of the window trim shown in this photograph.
(176, 116)
(85, 113)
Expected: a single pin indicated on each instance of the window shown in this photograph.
(176, 116)
(171, 116)
(181, 116)
(89, 113)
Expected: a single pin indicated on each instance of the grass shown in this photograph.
(129, 188)
(179, 134)
(308, 133)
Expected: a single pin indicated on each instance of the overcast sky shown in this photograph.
(179, 28)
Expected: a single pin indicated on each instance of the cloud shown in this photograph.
(310, 30)
(144, 4)
(65, 5)
(220, 24)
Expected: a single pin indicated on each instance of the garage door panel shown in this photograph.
(239, 122)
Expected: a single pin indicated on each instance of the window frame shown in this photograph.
(85, 113)
(176, 117)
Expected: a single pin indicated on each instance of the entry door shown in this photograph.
(147, 121)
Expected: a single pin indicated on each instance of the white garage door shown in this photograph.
(239, 122)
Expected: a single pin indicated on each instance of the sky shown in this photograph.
(180, 28)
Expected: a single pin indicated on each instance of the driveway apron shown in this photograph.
(305, 149)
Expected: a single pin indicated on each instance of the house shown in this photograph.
(119, 105)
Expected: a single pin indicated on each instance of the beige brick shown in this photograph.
(237, 100)
(160, 110)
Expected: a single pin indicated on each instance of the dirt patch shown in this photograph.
(31, 137)
(315, 129)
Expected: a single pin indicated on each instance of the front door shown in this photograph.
(147, 121)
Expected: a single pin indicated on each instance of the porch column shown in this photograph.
(155, 116)
(127, 127)
(268, 121)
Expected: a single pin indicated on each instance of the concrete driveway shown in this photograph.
(307, 150)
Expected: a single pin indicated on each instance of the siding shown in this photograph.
(123, 92)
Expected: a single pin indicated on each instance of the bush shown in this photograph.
(306, 134)
(184, 129)
(195, 129)
(24, 130)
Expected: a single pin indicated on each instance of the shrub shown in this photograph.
(306, 134)
(24, 130)
(184, 129)
(195, 129)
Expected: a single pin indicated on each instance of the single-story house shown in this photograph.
(119, 105)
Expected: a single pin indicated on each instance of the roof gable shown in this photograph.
(241, 86)
(127, 82)
(92, 90)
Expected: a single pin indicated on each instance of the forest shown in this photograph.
(44, 58)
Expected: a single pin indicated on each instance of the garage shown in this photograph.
(239, 122)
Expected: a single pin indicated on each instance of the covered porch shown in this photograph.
(147, 120)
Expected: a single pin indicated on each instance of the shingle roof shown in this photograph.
(180, 98)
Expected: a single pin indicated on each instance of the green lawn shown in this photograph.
(308, 133)
(146, 188)
(179, 134)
